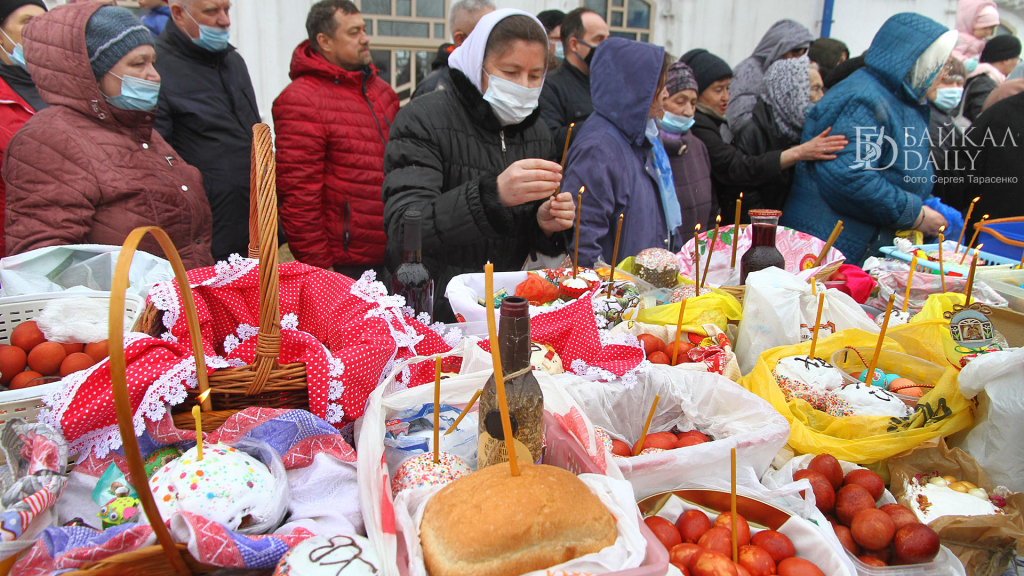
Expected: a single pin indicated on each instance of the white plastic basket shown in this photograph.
(14, 310)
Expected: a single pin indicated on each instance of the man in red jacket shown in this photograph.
(332, 124)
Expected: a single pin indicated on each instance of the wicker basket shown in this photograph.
(264, 383)
(168, 557)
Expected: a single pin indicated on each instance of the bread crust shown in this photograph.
(493, 524)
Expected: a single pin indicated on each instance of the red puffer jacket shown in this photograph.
(85, 172)
(332, 126)
(14, 112)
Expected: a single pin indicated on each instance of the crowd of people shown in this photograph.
(109, 122)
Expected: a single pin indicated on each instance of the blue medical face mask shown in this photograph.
(947, 98)
(136, 94)
(559, 50)
(18, 55)
(210, 37)
(676, 124)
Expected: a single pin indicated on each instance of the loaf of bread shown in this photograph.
(490, 523)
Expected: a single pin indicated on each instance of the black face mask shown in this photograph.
(590, 55)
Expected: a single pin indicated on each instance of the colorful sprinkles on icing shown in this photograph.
(421, 471)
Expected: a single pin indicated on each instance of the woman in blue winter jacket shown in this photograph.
(618, 156)
(879, 183)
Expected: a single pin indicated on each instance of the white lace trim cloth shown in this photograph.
(596, 373)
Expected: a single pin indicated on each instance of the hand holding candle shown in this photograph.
(499, 379)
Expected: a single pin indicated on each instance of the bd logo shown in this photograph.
(871, 142)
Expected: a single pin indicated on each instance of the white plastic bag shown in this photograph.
(379, 512)
(464, 290)
(76, 267)
(810, 533)
(717, 406)
(629, 550)
(779, 310)
(995, 441)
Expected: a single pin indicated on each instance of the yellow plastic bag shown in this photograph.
(867, 440)
(718, 308)
(933, 313)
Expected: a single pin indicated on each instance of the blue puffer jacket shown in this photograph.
(872, 201)
(612, 157)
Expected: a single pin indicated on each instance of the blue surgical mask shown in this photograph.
(18, 55)
(676, 124)
(211, 38)
(559, 50)
(947, 98)
(509, 101)
(136, 94)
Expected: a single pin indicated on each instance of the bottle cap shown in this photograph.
(515, 307)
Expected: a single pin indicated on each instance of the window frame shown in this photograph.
(623, 29)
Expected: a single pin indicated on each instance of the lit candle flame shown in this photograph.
(202, 397)
(718, 219)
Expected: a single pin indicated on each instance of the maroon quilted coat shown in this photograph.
(332, 126)
(84, 172)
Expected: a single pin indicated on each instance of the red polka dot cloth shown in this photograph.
(572, 331)
(348, 333)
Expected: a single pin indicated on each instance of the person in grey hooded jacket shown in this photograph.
(785, 39)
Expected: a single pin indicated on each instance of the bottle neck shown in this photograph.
(514, 343)
(414, 256)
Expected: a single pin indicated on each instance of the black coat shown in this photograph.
(206, 113)
(760, 136)
(976, 91)
(443, 158)
(439, 79)
(565, 99)
(943, 135)
(997, 171)
(732, 171)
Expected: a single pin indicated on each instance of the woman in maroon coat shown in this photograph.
(90, 168)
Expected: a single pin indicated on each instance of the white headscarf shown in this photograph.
(930, 63)
(469, 58)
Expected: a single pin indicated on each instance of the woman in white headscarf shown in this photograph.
(475, 161)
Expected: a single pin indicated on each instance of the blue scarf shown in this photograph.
(666, 185)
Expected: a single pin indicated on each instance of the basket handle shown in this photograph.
(263, 216)
(118, 375)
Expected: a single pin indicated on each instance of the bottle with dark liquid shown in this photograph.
(523, 393)
(762, 253)
(412, 279)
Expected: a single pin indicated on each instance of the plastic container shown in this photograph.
(1003, 237)
(1007, 283)
(985, 257)
(923, 372)
(944, 564)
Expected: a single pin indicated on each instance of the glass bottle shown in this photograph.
(762, 253)
(523, 393)
(412, 279)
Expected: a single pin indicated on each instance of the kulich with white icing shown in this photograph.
(330, 556)
(931, 501)
(227, 486)
(810, 379)
(863, 400)
(420, 471)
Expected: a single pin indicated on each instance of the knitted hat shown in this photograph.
(113, 32)
(1001, 48)
(680, 77)
(7, 7)
(707, 68)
